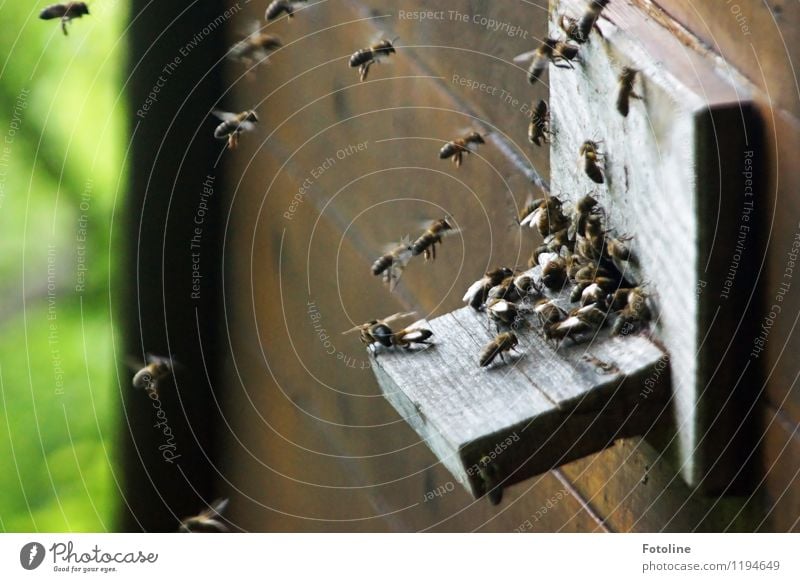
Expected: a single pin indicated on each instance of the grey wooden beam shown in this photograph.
(547, 406)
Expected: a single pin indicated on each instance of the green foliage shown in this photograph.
(62, 144)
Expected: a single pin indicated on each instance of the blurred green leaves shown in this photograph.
(62, 144)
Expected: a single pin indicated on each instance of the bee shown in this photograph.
(65, 11)
(255, 47)
(545, 53)
(278, 7)
(477, 293)
(503, 313)
(591, 244)
(515, 288)
(591, 314)
(487, 471)
(634, 315)
(585, 207)
(426, 243)
(548, 312)
(570, 27)
(625, 93)
(405, 338)
(618, 250)
(539, 127)
(233, 124)
(549, 218)
(207, 520)
(589, 19)
(156, 370)
(366, 57)
(392, 262)
(456, 148)
(554, 273)
(591, 155)
(377, 331)
(570, 327)
(497, 347)
(565, 51)
(531, 206)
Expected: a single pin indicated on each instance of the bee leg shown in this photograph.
(233, 140)
(363, 70)
(64, 25)
(635, 96)
(457, 157)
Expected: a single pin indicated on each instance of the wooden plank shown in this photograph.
(673, 178)
(548, 406)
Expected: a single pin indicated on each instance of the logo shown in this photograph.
(31, 555)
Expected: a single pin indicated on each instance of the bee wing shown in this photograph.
(414, 335)
(223, 115)
(217, 507)
(247, 126)
(524, 57)
(473, 290)
(134, 364)
(545, 258)
(571, 323)
(532, 218)
(396, 316)
(352, 329)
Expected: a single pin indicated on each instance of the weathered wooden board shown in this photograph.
(675, 177)
(547, 406)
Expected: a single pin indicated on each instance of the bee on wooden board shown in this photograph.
(406, 338)
(66, 11)
(548, 312)
(366, 57)
(456, 149)
(541, 56)
(625, 92)
(591, 155)
(255, 48)
(156, 370)
(580, 29)
(504, 313)
(634, 315)
(586, 206)
(392, 262)
(233, 124)
(278, 7)
(548, 218)
(378, 332)
(554, 273)
(502, 343)
(477, 293)
(539, 127)
(515, 288)
(207, 520)
(427, 241)
(487, 471)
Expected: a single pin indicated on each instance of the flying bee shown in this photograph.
(66, 11)
(545, 53)
(278, 7)
(392, 262)
(405, 338)
(366, 57)
(377, 331)
(487, 471)
(548, 312)
(207, 520)
(549, 218)
(255, 47)
(554, 274)
(539, 127)
(589, 19)
(627, 78)
(477, 293)
(426, 243)
(233, 124)
(497, 347)
(156, 370)
(456, 149)
(591, 155)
